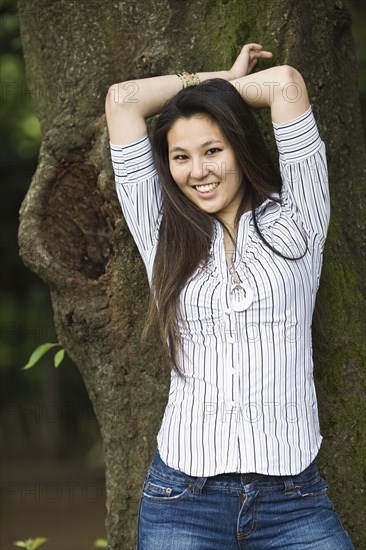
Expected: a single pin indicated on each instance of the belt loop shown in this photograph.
(289, 484)
(198, 486)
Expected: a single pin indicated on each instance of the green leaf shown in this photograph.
(19, 543)
(37, 354)
(37, 542)
(101, 543)
(58, 357)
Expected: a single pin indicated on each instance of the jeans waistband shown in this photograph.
(232, 479)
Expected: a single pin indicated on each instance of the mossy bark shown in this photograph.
(72, 235)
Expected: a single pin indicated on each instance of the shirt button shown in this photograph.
(230, 340)
(234, 370)
(227, 312)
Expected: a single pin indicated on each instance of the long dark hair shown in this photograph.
(186, 231)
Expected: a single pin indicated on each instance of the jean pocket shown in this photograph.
(157, 489)
(316, 487)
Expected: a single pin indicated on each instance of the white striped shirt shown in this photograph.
(249, 402)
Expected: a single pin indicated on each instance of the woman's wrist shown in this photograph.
(213, 74)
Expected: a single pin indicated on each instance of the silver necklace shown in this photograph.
(241, 294)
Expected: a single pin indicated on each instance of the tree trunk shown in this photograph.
(73, 236)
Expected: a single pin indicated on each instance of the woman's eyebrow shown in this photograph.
(211, 142)
(206, 144)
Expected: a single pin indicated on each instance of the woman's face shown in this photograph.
(203, 164)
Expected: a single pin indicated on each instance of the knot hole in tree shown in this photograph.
(75, 231)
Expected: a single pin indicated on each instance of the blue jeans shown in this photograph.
(237, 511)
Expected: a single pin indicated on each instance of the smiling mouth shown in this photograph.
(206, 187)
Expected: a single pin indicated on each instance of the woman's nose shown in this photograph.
(199, 168)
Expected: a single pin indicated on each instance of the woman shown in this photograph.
(233, 254)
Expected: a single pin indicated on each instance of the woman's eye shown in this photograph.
(180, 157)
(213, 151)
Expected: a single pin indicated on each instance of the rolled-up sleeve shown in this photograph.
(304, 173)
(139, 194)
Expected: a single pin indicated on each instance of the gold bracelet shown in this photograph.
(188, 79)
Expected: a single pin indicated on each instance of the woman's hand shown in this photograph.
(246, 60)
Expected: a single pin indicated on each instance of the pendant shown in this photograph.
(244, 303)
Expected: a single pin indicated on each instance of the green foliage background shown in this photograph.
(26, 315)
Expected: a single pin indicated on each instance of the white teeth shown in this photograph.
(207, 187)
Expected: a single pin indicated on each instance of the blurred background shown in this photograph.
(52, 468)
(52, 480)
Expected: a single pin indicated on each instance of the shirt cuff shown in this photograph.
(298, 138)
(134, 161)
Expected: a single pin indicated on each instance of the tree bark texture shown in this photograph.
(73, 236)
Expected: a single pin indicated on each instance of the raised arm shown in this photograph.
(129, 104)
(280, 88)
